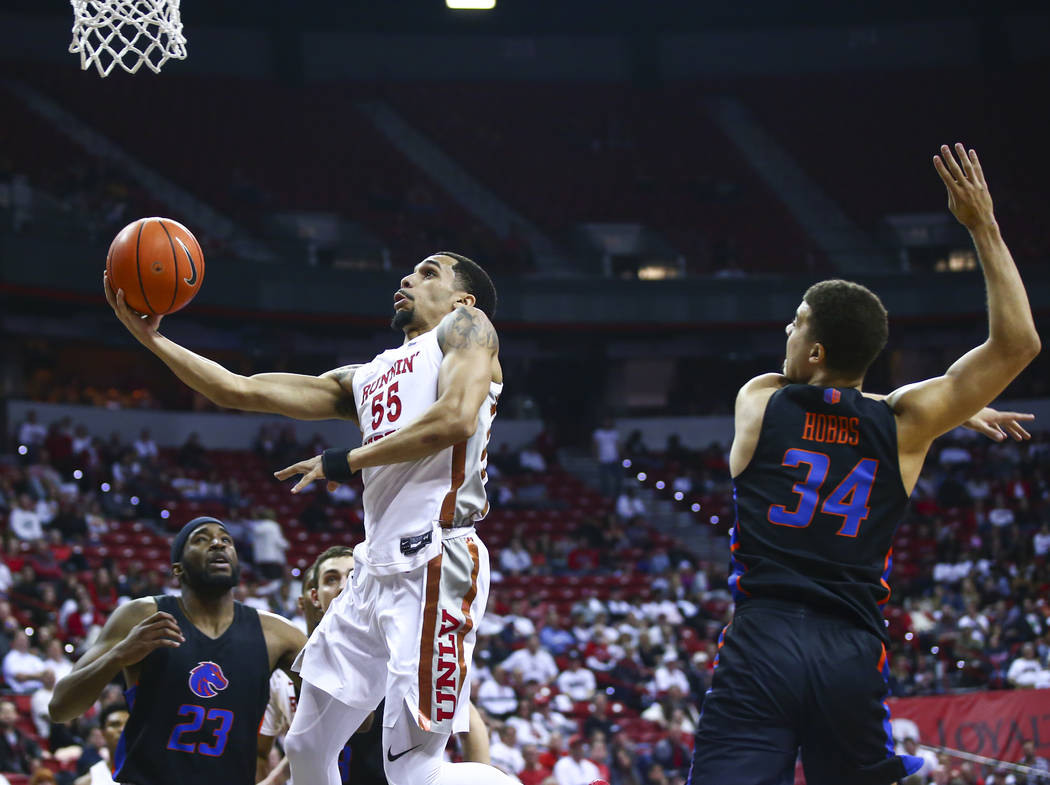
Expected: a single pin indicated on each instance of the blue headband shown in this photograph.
(178, 545)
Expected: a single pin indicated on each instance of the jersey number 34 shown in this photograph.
(849, 499)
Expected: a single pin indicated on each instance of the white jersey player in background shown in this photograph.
(406, 630)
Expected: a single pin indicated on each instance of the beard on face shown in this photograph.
(402, 318)
(198, 579)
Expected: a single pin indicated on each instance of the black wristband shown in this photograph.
(335, 464)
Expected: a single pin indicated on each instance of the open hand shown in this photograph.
(142, 327)
(968, 196)
(311, 469)
(997, 425)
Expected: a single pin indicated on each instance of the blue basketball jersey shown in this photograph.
(817, 506)
(196, 711)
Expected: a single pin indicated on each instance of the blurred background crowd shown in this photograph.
(601, 630)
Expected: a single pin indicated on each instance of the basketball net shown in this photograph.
(127, 33)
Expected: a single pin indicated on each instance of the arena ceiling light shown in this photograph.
(472, 5)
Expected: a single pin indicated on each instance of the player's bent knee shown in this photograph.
(297, 746)
(415, 768)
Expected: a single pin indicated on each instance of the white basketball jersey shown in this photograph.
(407, 504)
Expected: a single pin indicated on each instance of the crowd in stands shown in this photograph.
(970, 575)
(600, 635)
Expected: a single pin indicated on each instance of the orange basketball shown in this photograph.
(158, 263)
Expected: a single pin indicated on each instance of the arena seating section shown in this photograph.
(943, 529)
(561, 155)
(825, 122)
(293, 150)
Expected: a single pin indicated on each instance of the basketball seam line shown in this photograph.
(175, 262)
(138, 269)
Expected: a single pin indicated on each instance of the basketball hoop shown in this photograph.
(126, 33)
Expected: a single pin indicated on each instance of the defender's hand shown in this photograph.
(142, 327)
(997, 426)
(968, 196)
(150, 634)
(311, 469)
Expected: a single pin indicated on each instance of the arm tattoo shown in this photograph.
(467, 328)
(346, 407)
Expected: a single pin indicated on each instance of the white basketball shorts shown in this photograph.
(407, 636)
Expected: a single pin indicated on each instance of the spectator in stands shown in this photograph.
(38, 704)
(606, 450)
(669, 673)
(7, 580)
(661, 607)
(268, 545)
(25, 521)
(18, 753)
(23, 670)
(504, 754)
(531, 459)
(1025, 671)
(553, 635)
(8, 627)
(31, 434)
(554, 722)
(145, 447)
(86, 622)
(622, 768)
(1000, 515)
(70, 522)
(574, 768)
(1041, 542)
(1030, 759)
(517, 624)
(55, 659)
(514, 559)
(628, 505)
(930, 765)
(314, 516)
(496, 694)
(192, 455)
(577, 682)
(527, 731)
(598, 719)
(675, 699)
(111, 721)
(974, 621)
(93, 750)
(533, 772)
(265, 443)
(954, 454)
(583, 559)
(532, 663)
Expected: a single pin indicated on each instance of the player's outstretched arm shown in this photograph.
(300, 396)
(470, 346)
(927, 409)
(133, 630)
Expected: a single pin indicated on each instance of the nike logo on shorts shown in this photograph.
(392, 758)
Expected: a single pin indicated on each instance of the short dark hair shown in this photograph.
(313, 577)
(475, 281)
(111, 708)
(850, 321)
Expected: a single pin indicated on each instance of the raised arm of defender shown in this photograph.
(299, 396)
(470, 364)
(927, 409)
